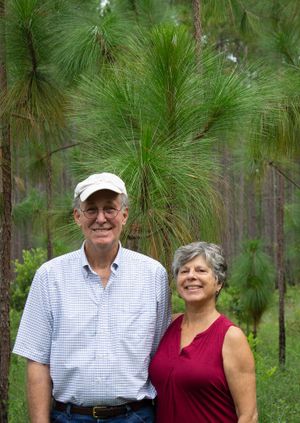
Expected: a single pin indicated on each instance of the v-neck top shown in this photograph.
(190, 383)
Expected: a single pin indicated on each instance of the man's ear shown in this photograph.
(76, 215)
(125, 215)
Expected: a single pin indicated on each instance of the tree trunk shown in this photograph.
(251, 210)
(280, 265)
(240, 212)
(197, 29)
(6, 224)
(269, 210)
(225, 187)
(49, 205)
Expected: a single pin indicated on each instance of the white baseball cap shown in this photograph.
(97, 182)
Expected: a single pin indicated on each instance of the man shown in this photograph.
(93, 319)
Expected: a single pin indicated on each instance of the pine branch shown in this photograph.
(284, 175)
(64, 147)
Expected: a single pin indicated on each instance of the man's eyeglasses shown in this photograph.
(109, 212)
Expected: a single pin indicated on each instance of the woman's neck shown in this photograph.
(194, 316)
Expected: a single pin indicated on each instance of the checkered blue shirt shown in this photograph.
(98, 341)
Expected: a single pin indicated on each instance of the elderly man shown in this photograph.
(93, 319)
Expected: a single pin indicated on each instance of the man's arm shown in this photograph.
(39, 388)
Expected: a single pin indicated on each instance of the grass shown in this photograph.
(277, 389)
(17, 412)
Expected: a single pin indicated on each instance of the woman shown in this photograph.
(203, 370)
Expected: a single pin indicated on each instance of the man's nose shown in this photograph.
(101, 216)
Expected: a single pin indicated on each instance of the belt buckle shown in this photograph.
(100, 407)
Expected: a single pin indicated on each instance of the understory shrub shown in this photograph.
(32, 260)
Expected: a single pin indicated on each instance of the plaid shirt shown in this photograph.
(98, 341)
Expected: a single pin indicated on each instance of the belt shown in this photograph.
(103, 411)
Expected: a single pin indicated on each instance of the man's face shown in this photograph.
(102, 230)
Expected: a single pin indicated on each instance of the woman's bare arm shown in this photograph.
(239, 370)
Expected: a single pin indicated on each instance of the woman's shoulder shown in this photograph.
(176, 315)
(236, 350)
(235, 342)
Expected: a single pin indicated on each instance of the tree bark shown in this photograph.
(6, 225)
(251, 210)
(269, 209)
(197, 29)
(49, 205)
(280, 265)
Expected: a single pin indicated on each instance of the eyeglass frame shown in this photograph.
(104, 211)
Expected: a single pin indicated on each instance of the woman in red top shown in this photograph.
(203, 370)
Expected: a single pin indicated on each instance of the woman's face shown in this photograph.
(196, 281)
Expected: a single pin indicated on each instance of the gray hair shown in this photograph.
(124, 202)
(212, 254)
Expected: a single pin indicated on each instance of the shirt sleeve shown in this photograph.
(163, 308)
(35, 331)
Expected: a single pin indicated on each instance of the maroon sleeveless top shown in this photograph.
(191, 385)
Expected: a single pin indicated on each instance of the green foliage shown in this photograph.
(154, 121)
(280, 35)
(152, 148)
(143, 110)
(292, 227)
(276, 132)
(17, 412)
(67, 235)
(229, 302)
(95, 36)
(31, 207)
(253, 275)
(35, 98)
(32, 259)
(178, 305)
(144, 13)
(277, 389)
(32, 213)
(90, 38)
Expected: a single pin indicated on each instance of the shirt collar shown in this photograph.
(114, 266)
